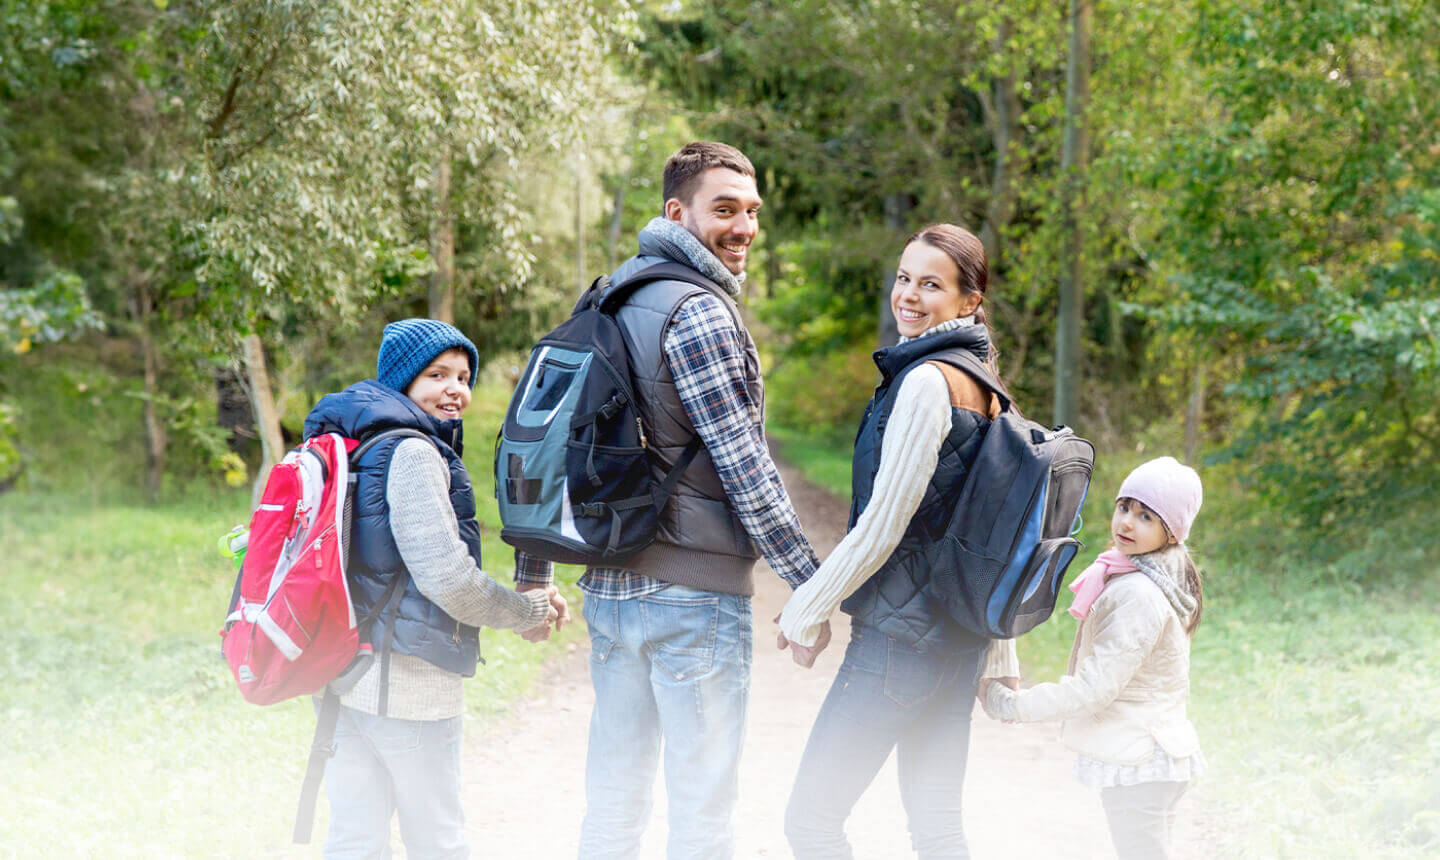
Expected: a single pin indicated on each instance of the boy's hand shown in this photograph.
(554, 614)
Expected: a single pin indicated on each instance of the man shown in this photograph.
(671, 635)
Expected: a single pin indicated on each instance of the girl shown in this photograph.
(1123, 700)
(909, 676)
(397, 743)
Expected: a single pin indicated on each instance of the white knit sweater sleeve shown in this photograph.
(918, 425)
(422, 520)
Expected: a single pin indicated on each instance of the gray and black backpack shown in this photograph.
(571, 470)
(1000, 563)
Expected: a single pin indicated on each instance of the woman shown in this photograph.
(910, 672)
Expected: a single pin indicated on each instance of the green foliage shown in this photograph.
(1305, 251)
(822, 396)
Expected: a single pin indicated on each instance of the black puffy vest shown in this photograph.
(897, 599)
(420, 628)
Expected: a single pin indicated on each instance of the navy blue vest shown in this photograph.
(896, 600)
(418, 627)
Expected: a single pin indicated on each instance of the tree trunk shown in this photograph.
(1073, 159)
(1195, 413)
(888, 333)
(267, 417)
(156, 438)
(1004, 133)
(580, 280)
(772, 238)
(617, 212)
(442, 245)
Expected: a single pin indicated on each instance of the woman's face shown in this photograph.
(927, 290)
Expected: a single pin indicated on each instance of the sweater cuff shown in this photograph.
(999, 703)
(1001, 660)
(539, 610)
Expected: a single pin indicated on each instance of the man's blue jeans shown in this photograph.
(673, 665)
(888, 696)
(384, 765)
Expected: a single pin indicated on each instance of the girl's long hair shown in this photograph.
(1196, 587)
(967, 252)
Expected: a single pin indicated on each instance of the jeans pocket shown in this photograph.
(911, 678)
(393, 735)
(600, 620)
(680, 632)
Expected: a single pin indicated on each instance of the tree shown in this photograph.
(1074, 159)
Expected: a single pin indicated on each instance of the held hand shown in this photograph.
(541, 631)
(805, 655)
(557, 601)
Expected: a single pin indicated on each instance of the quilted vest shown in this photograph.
(417, 626)
(701, 542)
(897, 599)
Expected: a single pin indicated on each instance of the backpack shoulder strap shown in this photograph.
(966, 393)
(964, 360)
(376, 438)
(617, 294)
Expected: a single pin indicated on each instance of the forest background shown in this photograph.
(1213, 229)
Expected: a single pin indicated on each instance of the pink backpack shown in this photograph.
(291, 628)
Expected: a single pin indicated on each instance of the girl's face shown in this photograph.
(927, 290)
(443, 388)
(1136, 529)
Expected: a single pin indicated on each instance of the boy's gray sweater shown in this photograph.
(417, 490)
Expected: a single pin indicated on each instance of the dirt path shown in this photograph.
(1020, 797)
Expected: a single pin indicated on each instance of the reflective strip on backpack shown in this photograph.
(342, 492)
(567, 515)
(255, 614)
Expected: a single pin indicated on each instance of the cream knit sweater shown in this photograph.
(417, 489)
(909, 452)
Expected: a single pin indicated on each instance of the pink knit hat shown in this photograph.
(1170, 489)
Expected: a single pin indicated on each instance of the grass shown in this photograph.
(124, 735)
(1314, 694)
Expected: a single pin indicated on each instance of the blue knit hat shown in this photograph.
(408, 346)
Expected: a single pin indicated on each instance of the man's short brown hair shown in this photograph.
(683, 170)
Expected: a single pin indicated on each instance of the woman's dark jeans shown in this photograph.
(888, 696)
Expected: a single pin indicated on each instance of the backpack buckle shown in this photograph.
(613, 405)
(591, 509)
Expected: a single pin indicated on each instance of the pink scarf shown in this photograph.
(1091, 581)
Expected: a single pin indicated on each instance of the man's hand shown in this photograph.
(804, 655)
(557, 601)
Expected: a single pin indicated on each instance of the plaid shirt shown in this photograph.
(707, 360)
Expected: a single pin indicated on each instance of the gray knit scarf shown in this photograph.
(948, 325)
(1166, 568)
(665, 238)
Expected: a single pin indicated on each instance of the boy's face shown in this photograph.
(443, 388)
(723, 213)
(1137, 529)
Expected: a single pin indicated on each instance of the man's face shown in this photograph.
(723, 213)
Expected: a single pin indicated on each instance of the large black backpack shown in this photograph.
(1000, 563)
(572, 472)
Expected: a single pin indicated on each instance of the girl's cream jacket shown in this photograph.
(1128, 681)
